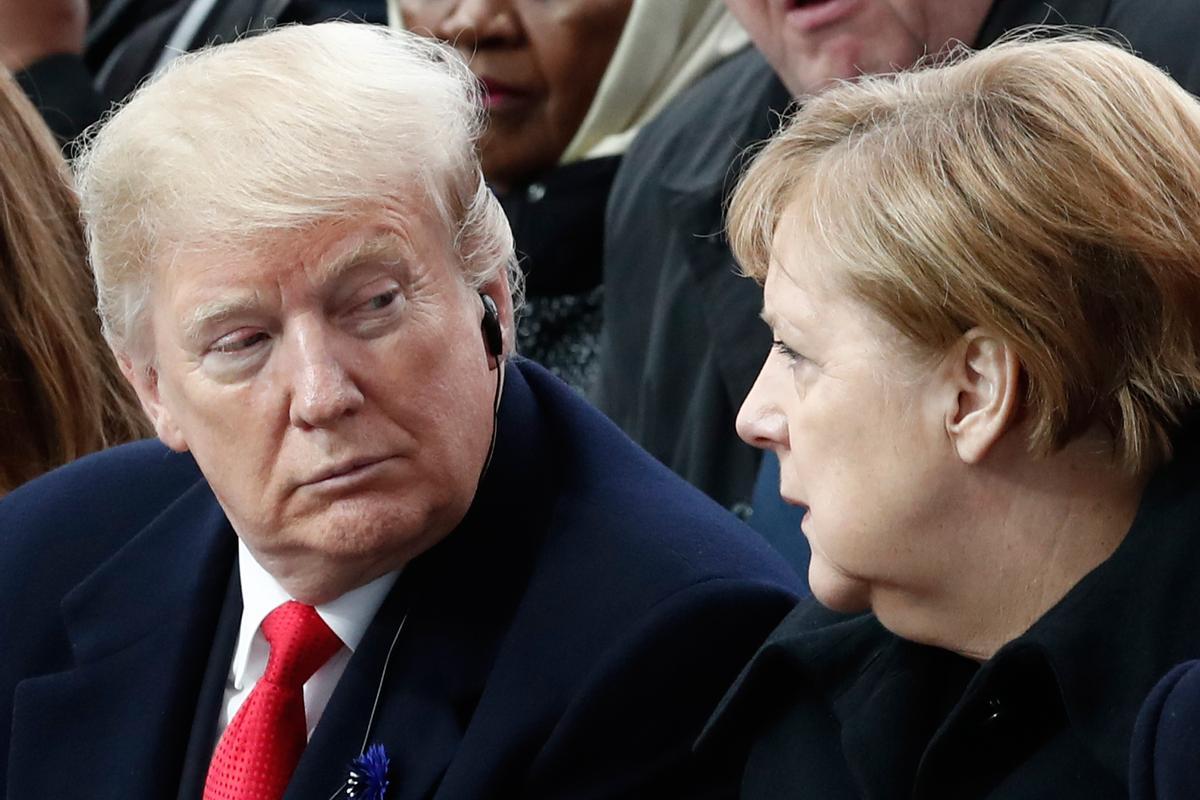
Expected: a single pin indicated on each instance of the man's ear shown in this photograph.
(499, 290)
(985, 393)
(143, 377)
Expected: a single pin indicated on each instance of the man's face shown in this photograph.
(333, 387)
(811, 43)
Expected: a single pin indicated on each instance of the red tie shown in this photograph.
(262, 745)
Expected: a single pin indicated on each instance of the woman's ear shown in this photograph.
(985, 380)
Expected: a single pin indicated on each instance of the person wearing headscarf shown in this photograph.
(567, 87)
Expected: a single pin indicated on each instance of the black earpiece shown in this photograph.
(490, 325)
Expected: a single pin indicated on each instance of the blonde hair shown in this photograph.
(276, 132)
(1045, 189)
(61, 394)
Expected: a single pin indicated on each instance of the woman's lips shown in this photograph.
(810, 15)
(499, 96)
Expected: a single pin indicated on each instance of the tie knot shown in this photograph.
(300, 643)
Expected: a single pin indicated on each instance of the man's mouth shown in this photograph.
(345, 469)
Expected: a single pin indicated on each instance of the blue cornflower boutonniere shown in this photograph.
(368, 778)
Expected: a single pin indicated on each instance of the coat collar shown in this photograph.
(1137, 614)
(126, 707)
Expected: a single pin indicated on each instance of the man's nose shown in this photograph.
(761, 422)
(323, 390)
(471, 24)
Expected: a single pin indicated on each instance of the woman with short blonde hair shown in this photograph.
(61, 394)
(983, 280)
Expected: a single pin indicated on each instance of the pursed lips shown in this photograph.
(343, 468)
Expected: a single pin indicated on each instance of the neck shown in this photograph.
(1031, 530)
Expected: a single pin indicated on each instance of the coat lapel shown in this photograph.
(428, 684)
(140, 629)
(212, 694)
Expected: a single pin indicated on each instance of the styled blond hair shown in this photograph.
(61, 394)
(1045, 189)
(236, 143)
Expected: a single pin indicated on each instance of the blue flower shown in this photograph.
(369, 775)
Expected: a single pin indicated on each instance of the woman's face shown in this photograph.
(540, 62)
(858, 425)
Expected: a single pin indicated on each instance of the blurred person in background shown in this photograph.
(75, 58)
(682, 336)
(567, 84)
(61, 394)
(983, 285)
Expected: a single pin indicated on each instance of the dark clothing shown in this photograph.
(838, 707)
(558, 229)
(682, 340)
(776, 520)
(1164, 759)
(568, 639)
(127, 39)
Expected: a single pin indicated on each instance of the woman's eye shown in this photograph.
(237, 344)
(791, 355)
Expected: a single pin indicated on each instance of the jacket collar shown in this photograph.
(1137, 614)
(126, 707)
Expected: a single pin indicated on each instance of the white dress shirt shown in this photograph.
(348, 616)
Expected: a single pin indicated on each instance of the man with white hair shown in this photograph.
(374, 555)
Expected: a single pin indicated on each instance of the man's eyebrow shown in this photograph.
(206, 314)
(388, 247)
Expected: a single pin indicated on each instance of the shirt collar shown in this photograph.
(347, 616)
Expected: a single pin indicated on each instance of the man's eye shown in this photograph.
(381, 300)
(237, 344)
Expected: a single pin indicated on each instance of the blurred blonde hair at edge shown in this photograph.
(947, 213)
(61, 394)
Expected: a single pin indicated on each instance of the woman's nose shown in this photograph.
(472, 24)
(761, 421)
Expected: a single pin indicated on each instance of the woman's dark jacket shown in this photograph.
(837, 707)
